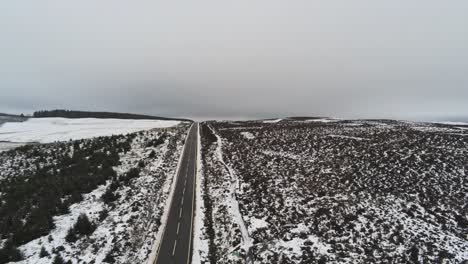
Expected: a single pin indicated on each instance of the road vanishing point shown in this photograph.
(176, 243)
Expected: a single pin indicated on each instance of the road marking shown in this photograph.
(175, 246)
(178, 226)
(183, 192)
(180, 213)
(182, 202)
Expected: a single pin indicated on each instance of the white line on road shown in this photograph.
(178, 226)
(175, 245)
(183, 192)
(180, 213)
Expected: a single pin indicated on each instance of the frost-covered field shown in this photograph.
(334, 191)
(120, 183)
(46, 130)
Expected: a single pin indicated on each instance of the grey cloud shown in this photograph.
(244, 59)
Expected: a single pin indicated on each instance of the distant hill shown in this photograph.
(9, 115)
(87, 114)
(453, 119)
(11, 118)
(302, 118)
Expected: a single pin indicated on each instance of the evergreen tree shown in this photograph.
(43, 252)
(109, 258)
(9, 253)
(83, 226)
(58, 260)
(71, 235)
(103, 215)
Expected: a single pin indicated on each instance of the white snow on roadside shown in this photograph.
(200, 245)
(46, 130)
(248, 135)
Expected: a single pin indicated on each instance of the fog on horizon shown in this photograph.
(243, 59)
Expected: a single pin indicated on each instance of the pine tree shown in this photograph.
(58, 260)
(71, 235)
(10, 252)
(103, 215)
(83, 226)
(43, 252)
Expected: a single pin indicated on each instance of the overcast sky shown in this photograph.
(237, 59)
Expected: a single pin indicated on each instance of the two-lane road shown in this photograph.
(176, 244)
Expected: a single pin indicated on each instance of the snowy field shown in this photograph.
(4, 146)
(333, 191)
(46, 130)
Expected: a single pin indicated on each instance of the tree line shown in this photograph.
(88, 114)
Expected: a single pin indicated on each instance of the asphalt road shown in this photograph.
(176, 245)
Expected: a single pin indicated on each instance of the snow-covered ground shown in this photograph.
(231, 200)
(347, 191)
(127, 224)
(451, 123)
(248, 135)
(45, 130)
(272, 121)
(9, 145)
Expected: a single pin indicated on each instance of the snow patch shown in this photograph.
(248, 135)
(46, 130)
(272, 121)
(323, 120)
(256, 223)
